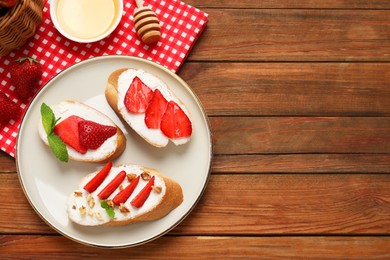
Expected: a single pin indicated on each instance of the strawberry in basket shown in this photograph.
(7, 3)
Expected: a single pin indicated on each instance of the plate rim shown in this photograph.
(141, 60)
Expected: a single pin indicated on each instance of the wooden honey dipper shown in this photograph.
(146, 23)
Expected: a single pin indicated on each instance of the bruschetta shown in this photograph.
(149, 107)
(123, 194)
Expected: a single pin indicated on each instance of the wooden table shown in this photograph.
(298, 96)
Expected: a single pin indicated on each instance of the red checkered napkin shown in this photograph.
(181, 25)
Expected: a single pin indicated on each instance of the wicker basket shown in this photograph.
(19, 24)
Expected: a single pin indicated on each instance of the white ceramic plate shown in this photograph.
(47, 182)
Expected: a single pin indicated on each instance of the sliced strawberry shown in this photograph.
(138, 96)
(95, 182)
(155, 110)
(143, 195)
(175, 123)
(124, 194)
(68, 131)
(112, 186)
(93, 135)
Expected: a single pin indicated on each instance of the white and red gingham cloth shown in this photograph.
(181, 25)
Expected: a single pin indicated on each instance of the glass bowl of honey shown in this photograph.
(86, 20)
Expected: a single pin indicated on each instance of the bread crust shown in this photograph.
(172, 198)
(120, 141)
(111, 91)
(120, 147)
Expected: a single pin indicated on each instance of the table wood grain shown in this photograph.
(298, 97)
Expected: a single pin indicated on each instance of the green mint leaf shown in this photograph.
(56, 121)
(48, 119)
(104, 204)
(109, 210)
(58, 147)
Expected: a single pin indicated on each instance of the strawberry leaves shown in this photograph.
(57, 146)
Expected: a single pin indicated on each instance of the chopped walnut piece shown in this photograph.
(121, 187)
(82, 210)
(145, 176)
(123, 208)
(110, 203)
(91, 201)
(157, 189)
(73, 206)
(98, 216)
(131, 176)
(78, 193)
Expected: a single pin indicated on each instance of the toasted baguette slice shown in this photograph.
(84, 208)
(110, 149)
(116, 88)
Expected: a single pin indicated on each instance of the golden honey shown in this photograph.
(86, 19)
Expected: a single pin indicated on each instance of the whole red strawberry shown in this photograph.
(25, 75)
(8, 109)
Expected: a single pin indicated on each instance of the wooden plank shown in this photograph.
(7, 163)
(320, 4)
(255, 204)
(17, 208)
(168, 247)
(295, 135)
(273, 135)
(286, 163)
(294, 35)
(294, 89)
(293, 204)
(302, 163)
